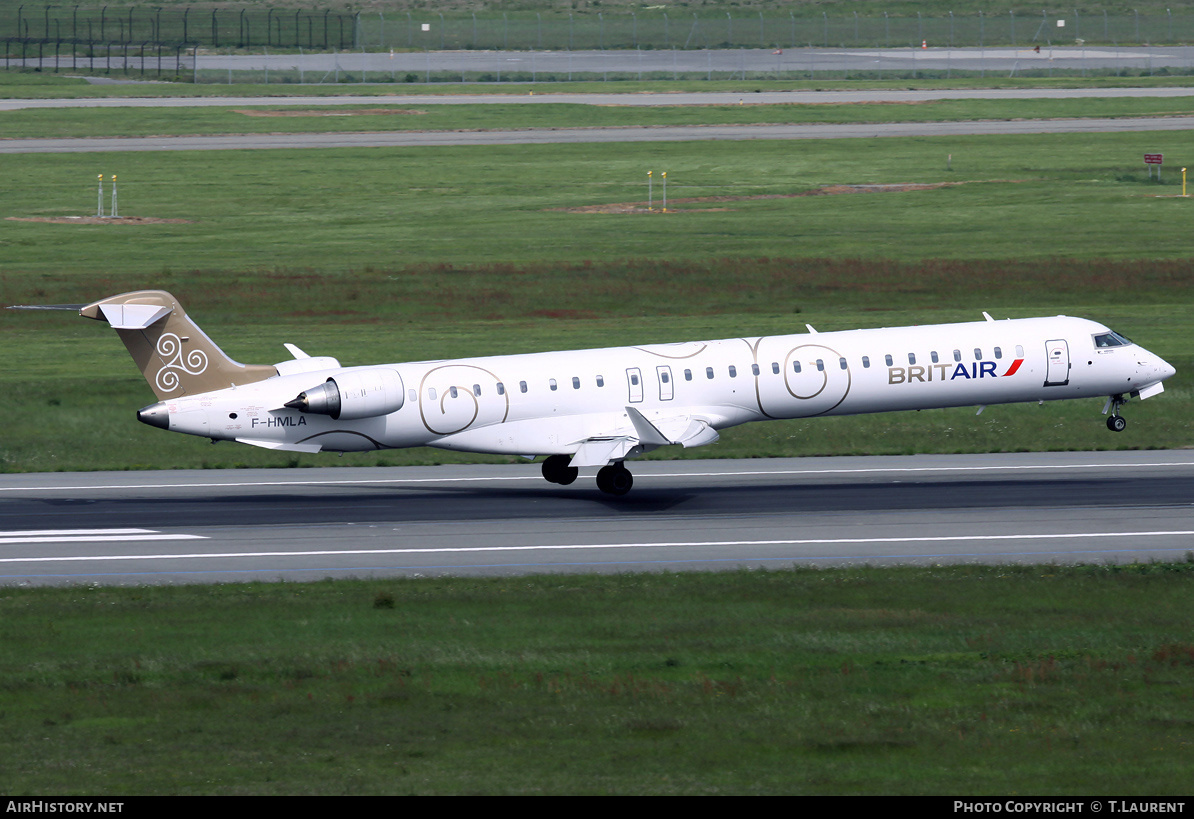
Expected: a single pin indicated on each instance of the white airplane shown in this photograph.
(597, 408)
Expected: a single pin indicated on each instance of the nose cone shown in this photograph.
(1167, 369)
(1161, 369)
(155, 415)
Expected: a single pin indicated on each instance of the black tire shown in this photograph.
(1117, 423)
(556, 470)
(615, 479)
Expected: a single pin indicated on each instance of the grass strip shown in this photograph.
(417, 254)
(109, 122)
(37, 85)
(981, 680)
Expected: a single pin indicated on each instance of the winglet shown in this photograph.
(648, 433)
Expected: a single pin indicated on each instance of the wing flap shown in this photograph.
(685, 430)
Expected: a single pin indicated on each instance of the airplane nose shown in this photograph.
(1165, 369)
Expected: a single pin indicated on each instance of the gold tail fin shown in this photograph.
(174, 355)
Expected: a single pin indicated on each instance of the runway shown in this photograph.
(659, 64)
(540, 136)
(652, 99)
(310, 524)
(531, 136)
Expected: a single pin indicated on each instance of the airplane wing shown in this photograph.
(684, 430)
(280, 446)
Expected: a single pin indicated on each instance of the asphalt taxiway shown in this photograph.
(309, 524)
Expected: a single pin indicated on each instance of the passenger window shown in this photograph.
(1019, 351)
(820, 366)
(866, 362)
(431, 393)
(733, 371)
(575, 383)
(601, 381)
(688, 375)
(708, 372)
(933, 355)
(477, 389)
(754, 369)
(795, 366)
(911, 358)
(501, 388)
(998, 353)
(978, 354)
(522, 386)
(551, 382)
(775, 367)
(452, 392)
(842, 362)
(663, 376)
(957, 355)
(414, 396)
(887, 358)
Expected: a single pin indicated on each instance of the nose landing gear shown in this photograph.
(1116, 422)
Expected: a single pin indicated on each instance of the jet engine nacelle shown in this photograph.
(355, 394)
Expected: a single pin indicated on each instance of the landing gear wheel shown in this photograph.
(1117, 423)
(615, 479)
(556, 470)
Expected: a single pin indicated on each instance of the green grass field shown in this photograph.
(65, 122)
(967, 680)
(975, 680)
(410, 254)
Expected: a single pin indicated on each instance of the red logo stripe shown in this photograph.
(1012, 369)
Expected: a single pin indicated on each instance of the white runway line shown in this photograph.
(640, 475)
(88, 536)
(568, 547)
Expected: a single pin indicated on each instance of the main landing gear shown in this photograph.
(556, 470)
(614, 479)
(1116, 422)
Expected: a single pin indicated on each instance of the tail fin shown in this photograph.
(174, 355)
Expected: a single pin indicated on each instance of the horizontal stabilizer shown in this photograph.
(133, 316)
(72, 307)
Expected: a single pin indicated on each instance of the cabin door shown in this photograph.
(1058, 354)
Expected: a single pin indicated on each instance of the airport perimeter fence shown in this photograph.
(25, 25)
(372, 66)
(273, 46)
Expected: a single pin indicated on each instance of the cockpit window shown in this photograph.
(1110, 339)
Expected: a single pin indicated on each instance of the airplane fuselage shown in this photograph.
(559, 403)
